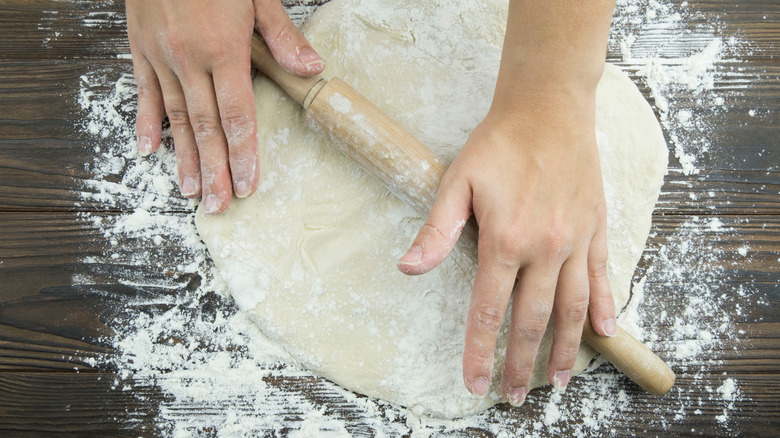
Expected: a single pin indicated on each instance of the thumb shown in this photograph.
(290, 48)
(437, 237)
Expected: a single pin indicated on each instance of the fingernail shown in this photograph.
(189, 187)
(212, 204)
(480, 386)
(311, 59)
(413, 257)
(242, 189)
(561, 380)
(516, 396)
(610, 327)
(144, 146)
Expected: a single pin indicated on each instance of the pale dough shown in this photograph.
(312, 255)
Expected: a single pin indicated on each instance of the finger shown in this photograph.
(187, 158)
(493, 284)
(441, 230)
(531, 309)
(288, 45)
(148, 121)
(211, 142)
(235, 98)
(602, 304)
(569, 310)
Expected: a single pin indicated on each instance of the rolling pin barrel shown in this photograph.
(406, 167)
(357, 128)
(413, 173)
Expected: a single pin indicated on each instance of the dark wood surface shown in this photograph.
(52, 328)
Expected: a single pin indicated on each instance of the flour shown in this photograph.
(217, 375)
(679, 66)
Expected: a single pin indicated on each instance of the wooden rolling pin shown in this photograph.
(412, 172)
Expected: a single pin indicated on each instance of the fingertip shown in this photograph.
(189, 187)
(310, 61)
(148, 123)
(602, 312)
(428, 251)
(608, 328)
(478, 386)
(213, 204)
(602, 302)
(148, 128)
(242, 189)
(289, 46)
(516, 396)
(246, 175)
(144, 145)
(245, 187)
(560, 380)
(410, 262)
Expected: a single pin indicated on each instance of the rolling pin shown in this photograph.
(412, 172)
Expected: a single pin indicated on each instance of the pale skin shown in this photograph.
(529, 173)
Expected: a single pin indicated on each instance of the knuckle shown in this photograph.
(432, 231)
(176, 48)
(183, 51)
(204, 126)
(145, 91)
(597, 269)
(577, 310)
(178, 117)
(557, 241)
(238, 127)
(221, 53)
(279, 31)
(507, 245)
(532, 332)
(487, 319)
(449, 177)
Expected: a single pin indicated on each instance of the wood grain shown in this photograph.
(60, 303)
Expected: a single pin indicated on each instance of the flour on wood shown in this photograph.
(312, 255)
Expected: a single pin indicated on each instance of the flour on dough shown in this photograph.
(312, 255)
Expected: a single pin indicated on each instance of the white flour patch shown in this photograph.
(680, 65)
(218, 376)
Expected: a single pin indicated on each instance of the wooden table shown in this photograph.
(52, 326)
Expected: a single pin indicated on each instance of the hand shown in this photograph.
(192, 60)
(531, 177)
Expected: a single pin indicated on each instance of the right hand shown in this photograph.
(191, 61)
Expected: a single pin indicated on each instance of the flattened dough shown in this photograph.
(312, 254)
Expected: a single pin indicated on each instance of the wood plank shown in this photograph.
(89, 403)
(46, 250)
(49, 326)
(64, 327)
(51, 29)
(45, 149)
(70, 404)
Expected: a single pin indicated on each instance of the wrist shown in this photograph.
(548, 100)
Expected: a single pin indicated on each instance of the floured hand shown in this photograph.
(530, 175)
(533, 182)
(192, 62)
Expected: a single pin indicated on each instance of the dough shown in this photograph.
(312, 255)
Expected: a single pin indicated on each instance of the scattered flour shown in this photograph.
(680, 66)
(182, 337)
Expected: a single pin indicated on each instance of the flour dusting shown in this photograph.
(183, 336)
